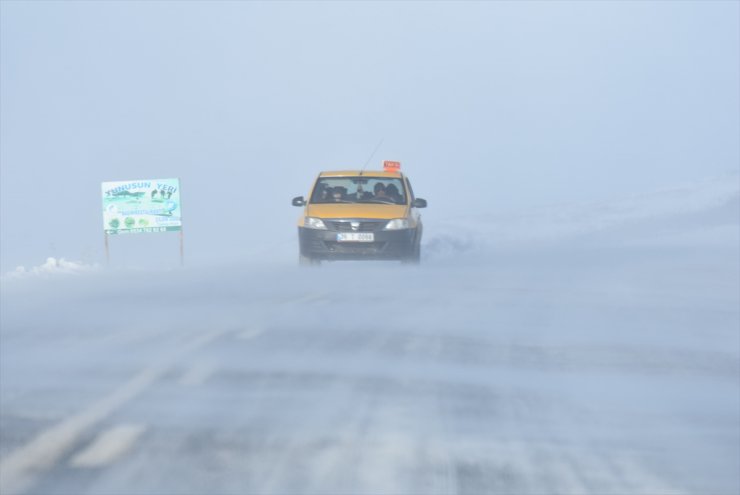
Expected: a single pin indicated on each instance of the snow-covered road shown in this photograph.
(588, 356)
(565, 371)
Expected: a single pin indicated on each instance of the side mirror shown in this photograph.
(419, 203)
(299, 201)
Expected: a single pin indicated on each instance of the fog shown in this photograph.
(574, 324)
(507, 105)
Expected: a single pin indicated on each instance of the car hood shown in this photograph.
(356, 210)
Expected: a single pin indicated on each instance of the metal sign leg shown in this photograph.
(107, 252)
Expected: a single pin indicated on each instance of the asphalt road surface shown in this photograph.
(530, 373)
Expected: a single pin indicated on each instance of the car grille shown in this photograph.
(364, 225)
(360, 248)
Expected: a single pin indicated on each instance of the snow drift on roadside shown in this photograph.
(51, 267)
(704, 213)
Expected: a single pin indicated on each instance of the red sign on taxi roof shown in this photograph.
(390, 166)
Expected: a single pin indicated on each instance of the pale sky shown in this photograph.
(490, 107)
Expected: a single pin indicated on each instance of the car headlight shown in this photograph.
(314, 223)
(398, 224)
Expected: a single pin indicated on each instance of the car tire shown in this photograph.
(304, 260)
(414, 257)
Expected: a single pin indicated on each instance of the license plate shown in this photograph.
(355, 237)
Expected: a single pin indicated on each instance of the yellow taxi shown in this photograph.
(360, 215)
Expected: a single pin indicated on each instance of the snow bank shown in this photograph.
(703, 213)
(52, 267)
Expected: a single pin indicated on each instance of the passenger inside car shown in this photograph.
(392, 192)
(339, 193)
(323, 195)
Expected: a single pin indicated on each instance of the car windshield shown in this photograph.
(381, 190)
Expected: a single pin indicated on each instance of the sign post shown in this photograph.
(182, 250)
(107, 253)
(142, 206)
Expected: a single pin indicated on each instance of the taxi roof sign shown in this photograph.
(390, 166)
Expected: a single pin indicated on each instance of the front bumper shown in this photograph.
(388, 245)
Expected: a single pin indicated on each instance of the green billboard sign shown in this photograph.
(138, 206)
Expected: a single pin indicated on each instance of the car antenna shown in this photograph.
(371, 155)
